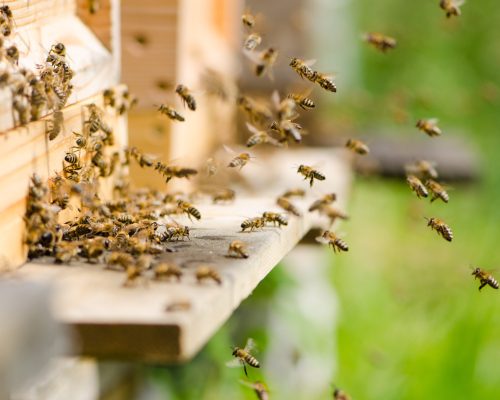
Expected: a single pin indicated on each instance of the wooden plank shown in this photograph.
(132, 323)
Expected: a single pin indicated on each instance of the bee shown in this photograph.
(260, 389)
(424, 169)
(80, 140)
(240, 160)
(144, 160)
(38, 98)
(429, 126)
(357, 146)
(287, 129)
(441, 228)
(265, 62)
(6, 21)
(323, 201)
(170, 112)
(12, 54)
(248, 20)
(172, 171)
(177, 232)
(54, 126)
(64, 252)
(244, 357)
(302, 101)
(310, 173)
(252, 41)
(72, 158)
(257, 112)
(58, 49)
(485, 278)
(303, 68)
(237, 249)
(294, 193)
(93, 6)
(204, 272)
(94, 248)
(417, 186)
(22, 107)
(339, 394)
(275, 218)
(326, 82)
(186, 96)
(288, 206)
(252, 224)
(333, 213)
(224, 195)
(260, 137)
(451, 7)
(380, 42)
(120, 259)
(181, 305)
(334, 241)
(167, 270)
(437, 190)
(188, 209)
(109, 98)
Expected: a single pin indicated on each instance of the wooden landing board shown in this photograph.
(132, 322)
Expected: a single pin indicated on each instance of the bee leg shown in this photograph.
(483, 284)
(245, 369)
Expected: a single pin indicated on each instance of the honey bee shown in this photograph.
(380, 42)
(240, 160)
(120, 259)
(64, 252)
(303, 68)
(248, 20)
(177, 232)
(186, 96)
(170, 112)
(485, 278)
(167, 270)
(94, 248)
(260, 137)
(6, 20)
(237, 249)
(256, 112)
(357, 146)
(58, 49)
(93, 6)
(294, 193)
(339, 394)
(38, 98)
(310, 173)
(265, 62)
(244, 357)
(287, 129)
(109, 98)
(188, 209)
(205, 272)
(72, 158)
(252, 42)
(173, 171)
(260, 389)
(323, 201)
(288, 206)
(326, 82)
(54, 126)
(302, 101)
(334, 241)
(252, 224)
(424, 169)
(144, 160)
(12, 54)
(429, 126)
(451, 7)
(417, 186)
(333, 213)
(276, 219)
(22, 107)
(441, 228)
(437, 190)
(224, 195)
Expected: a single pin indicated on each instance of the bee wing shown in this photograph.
(433, 121)
(276, 100)
(252, 128)
(234, 363)
(310, 62)
(321, 239)
(250, 345)
(229, 150)
(247, 383)
(459, 3)
(253, 56)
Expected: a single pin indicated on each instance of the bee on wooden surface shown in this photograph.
(93, 122)
(417, 186)
(12, 54)
(64, 252)
(339, 394)
(326, 82)
(237, 249)
(323, 201)
(302, 101)
(177, 232)
(38, 98)
(423, 169)
(204, 272)
(334, 241)
(120, 259)
(80, 140)
(260, 137)
(310, 173)
(21, 106)
(485, 278)
(294, 193)
(252, 41)
(94, 248)
(276, 219)
(252, 224)
(133, 272)
(6, 20)
(288, 206)
(240, 160)
(186, 96)
(54, 126)
(287, 130)
(429, 126)
(451, 7)
(333, 213)
(257, 112)
(179, 305)
(223, 196)
(72, 158)
(248, 20)
(167, 270)
(260, 389)
(58, 49)
(170, 112)
(244, 357)
(265, 62)
(188, 209)
(441, 228)
(437, 190)
(357, 146)
(303, 68)
(93, 6)
(380, 42)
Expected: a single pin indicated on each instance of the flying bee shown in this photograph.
(173, 171)
(257, 112)
(276, 219)
(259, 388)
(332, 213)
(339, 394)
(441, 228)
(485, 278)
(334, 241)
(144, 160)
(326, 82)
(186, 96)
(323, 201)
(93, 6)
(424, 169)
(252, 42)
(294, 193)
(286, 108)
(310, 173)
(429, 126)
(417, 186)
(204, 272)
(237, 249)
(437, 190)
(167, 270)
(265, 62)
(302, 101)
(109, 98)
(287, 130)
(288, 206)
(252, 224)
(240, 160)
(188, 209)
(248, 20)
(380, 42)
(451, 7)
(357, 146)
(54, 126)
(224, 195)
(260, 137)
(303, 68)
(244, 357)
(170, 112)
